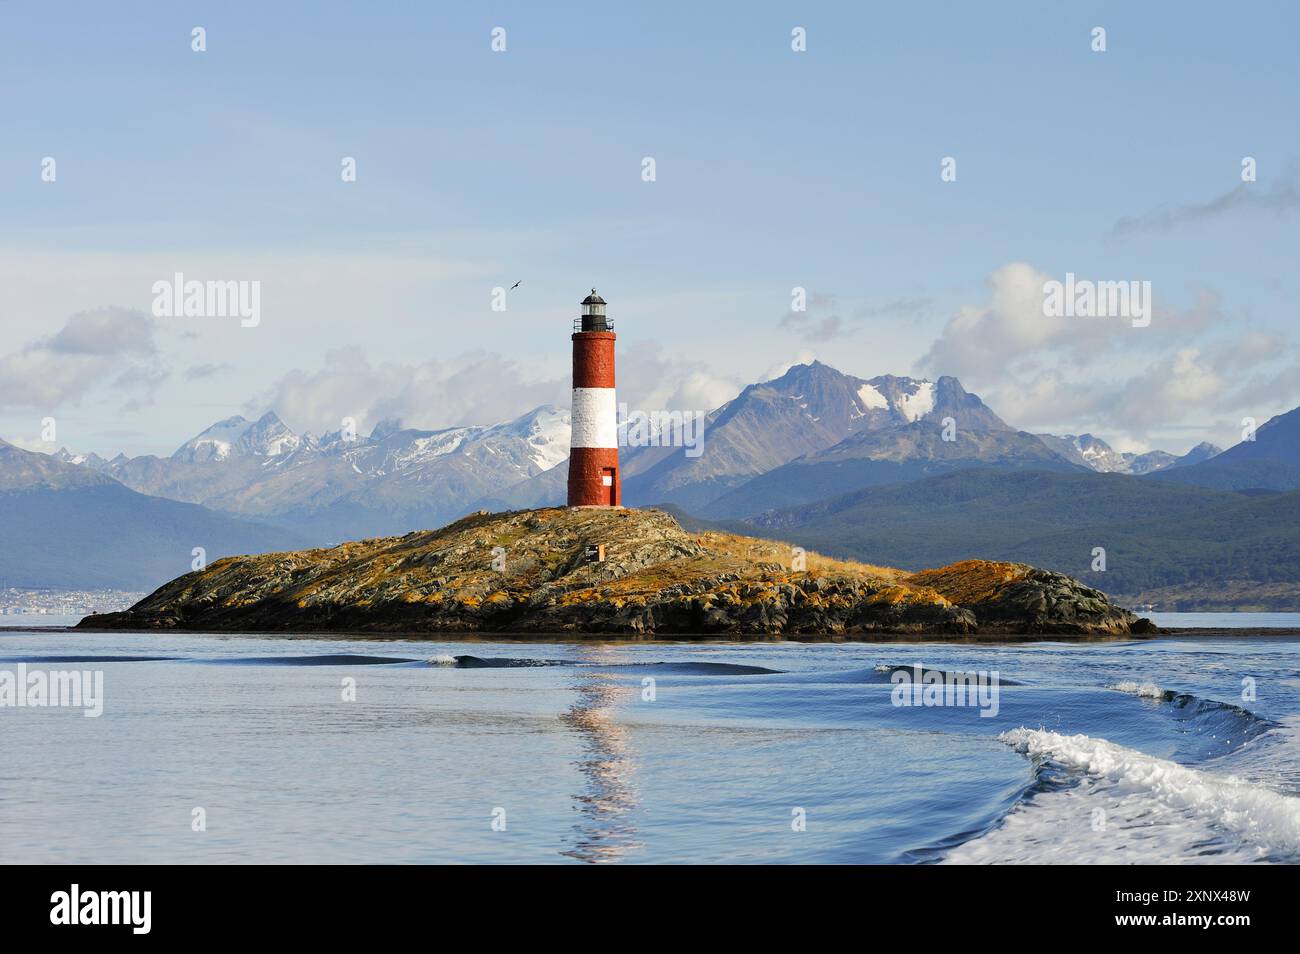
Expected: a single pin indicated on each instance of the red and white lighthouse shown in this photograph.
(593, 448)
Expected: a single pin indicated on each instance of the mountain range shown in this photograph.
(340, 486)
(1268, 461)
(1164, 542)
(1097, 455)
(815, 454)
(70, 527)
(816, 432)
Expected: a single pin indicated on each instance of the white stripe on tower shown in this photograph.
(594, 418)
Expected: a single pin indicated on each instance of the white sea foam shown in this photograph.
(1147, 690)
(1132, 806)
(1267, 817)
(441, 660)
(1065, 827)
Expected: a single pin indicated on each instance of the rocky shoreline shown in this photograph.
(535, 573)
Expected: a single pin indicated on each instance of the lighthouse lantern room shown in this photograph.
(593, 448)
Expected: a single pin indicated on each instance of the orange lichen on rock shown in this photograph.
(970, 581)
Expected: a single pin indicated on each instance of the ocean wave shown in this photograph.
(674, 668)
(505, 662)
(328, 659)
(1217, 726)
(885, 672)
(1145, 690)
(702, 668)
(1265, 819)
(51, 660)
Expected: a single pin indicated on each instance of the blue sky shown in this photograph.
(775, 169)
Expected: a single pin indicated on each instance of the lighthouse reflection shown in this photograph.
(606, 830)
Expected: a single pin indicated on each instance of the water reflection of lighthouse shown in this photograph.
(607, 829)
(593, 448)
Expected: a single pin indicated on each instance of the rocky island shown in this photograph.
(541, 572)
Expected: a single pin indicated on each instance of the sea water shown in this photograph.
(220, 748)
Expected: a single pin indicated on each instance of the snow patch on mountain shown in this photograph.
(423, 449)
(1201, 452)
(68, 457)
(1096, 454)
(919, 402)
(871, 398)
(215, 443)
(238, 437)
(548, 436)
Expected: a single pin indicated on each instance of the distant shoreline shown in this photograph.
(1198, 632)
(1184, 631)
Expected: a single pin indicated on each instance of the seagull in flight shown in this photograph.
(516, 285)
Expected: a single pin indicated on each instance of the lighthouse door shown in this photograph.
(607, 479)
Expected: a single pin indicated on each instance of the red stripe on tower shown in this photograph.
(593, 448)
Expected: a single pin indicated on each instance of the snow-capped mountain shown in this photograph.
(337, 486)
(911, 429)
(813, 432)
(1095, 454)
(808, 410)
(544, 433)
(1201, 452)
(1269, 462)
(399, 478)
(511, 451)
(908, 399)
(66, 456)
(268, 436)
(56, 510)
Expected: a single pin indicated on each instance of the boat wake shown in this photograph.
(672, 668)
(1143, 690)
(325, 659)
(56, 660)
(1213, 727)
(495, 662)
(1099, 802)
(919, 673)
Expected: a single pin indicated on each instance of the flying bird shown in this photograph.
(516, 285)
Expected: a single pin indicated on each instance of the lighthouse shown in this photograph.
(593, 448)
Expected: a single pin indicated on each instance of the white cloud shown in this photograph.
(197, 372)
(91, 348)
(475, 388)
(471, 389)
(651, 379)
(980, 341)
(1105, 376)
(823, 321)
(1279, 198)
(108, 331)
(803, 357)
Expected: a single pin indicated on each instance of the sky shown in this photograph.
(774, 170)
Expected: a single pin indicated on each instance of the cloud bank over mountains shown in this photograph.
(1196, 364)
(479, 388)
(109, 345)
(1188, 365)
